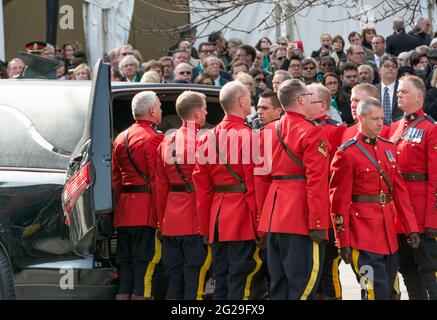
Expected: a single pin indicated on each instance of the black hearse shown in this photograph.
(56, 235)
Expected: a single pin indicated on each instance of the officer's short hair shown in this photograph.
(187, 102)
(230, 93)
(323, 93)
(289, 91)
(273, 96)
(364, 106)
(417, 83)
(142, 103)
(370, 89)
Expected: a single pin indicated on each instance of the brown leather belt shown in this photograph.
(182, 188)
(410, 176)
(300, 177)
(136, 189)
(382, 198)
(230, 188)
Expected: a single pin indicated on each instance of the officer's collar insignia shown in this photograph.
(368, 140)
(411, 117)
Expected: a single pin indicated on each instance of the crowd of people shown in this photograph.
(336, 64)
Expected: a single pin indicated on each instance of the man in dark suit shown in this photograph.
(211, 67)
(400, 41)
(388, 88)
(378, 47)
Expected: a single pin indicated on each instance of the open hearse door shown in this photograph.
(87, 194)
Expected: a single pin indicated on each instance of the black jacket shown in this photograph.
(400, 42)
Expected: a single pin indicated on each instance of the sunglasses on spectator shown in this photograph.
(185, 72)
(259, 79)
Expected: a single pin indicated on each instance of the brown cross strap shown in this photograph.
(236, 176)
(188, 187)
(288, 151)
(129, 155)
(377, 166)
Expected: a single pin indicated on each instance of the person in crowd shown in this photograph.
(15, 67)
(279, 77)
(295, 189)
(238, 67)
(81, 72)
(150, 76)
(349, 77)
(259, 78)
(367, 34)
(263, 46)
(180, 56)
(204, 79)
(185, 256)
(422, 30)
(417, 158)
(182, 73)
(309, 70)
(133, 178)
(326, 47)
(167, 68)
(338, 46)
(340, 100)
(365, 74)
(365, 207)
(400, 41)
(130, 68)
(226, 203)
(153, 65)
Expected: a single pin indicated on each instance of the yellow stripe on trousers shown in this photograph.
(336, 277)
(314, 272)
(369, 287)
(151, 268)
(202, 274)
(396, 285)
(250, 276)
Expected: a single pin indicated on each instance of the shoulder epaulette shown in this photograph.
(431, 119)
(333, 122)
(347, 144)
(385, 140)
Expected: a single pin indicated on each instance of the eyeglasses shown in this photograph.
(207, 51)
(129, 65)
(308, 68)
(127, 54)
(282, 43)
(280, 58)
(389, 66)
(295, 66)
(327, 65)
(185, 72)
(360, 53)
(259, 79)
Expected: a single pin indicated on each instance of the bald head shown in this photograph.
(231, 96)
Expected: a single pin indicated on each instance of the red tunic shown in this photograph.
(235, 213)
(135, 209)
(177, 211)
(293, 206)
(368, 226)
(419, 157)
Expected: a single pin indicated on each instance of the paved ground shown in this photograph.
(351, 288)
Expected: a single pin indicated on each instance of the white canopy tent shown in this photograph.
(307, 26)
(106, 25)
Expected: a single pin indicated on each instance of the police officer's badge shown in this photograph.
(323, 148)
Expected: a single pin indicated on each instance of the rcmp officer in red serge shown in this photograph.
(415, 136)
(294, 197)
(223, 180)
(329, 287)
(366, 191)
(133, 174)
(359, 92)
(186, 258)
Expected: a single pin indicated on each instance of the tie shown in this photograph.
(386, 105)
